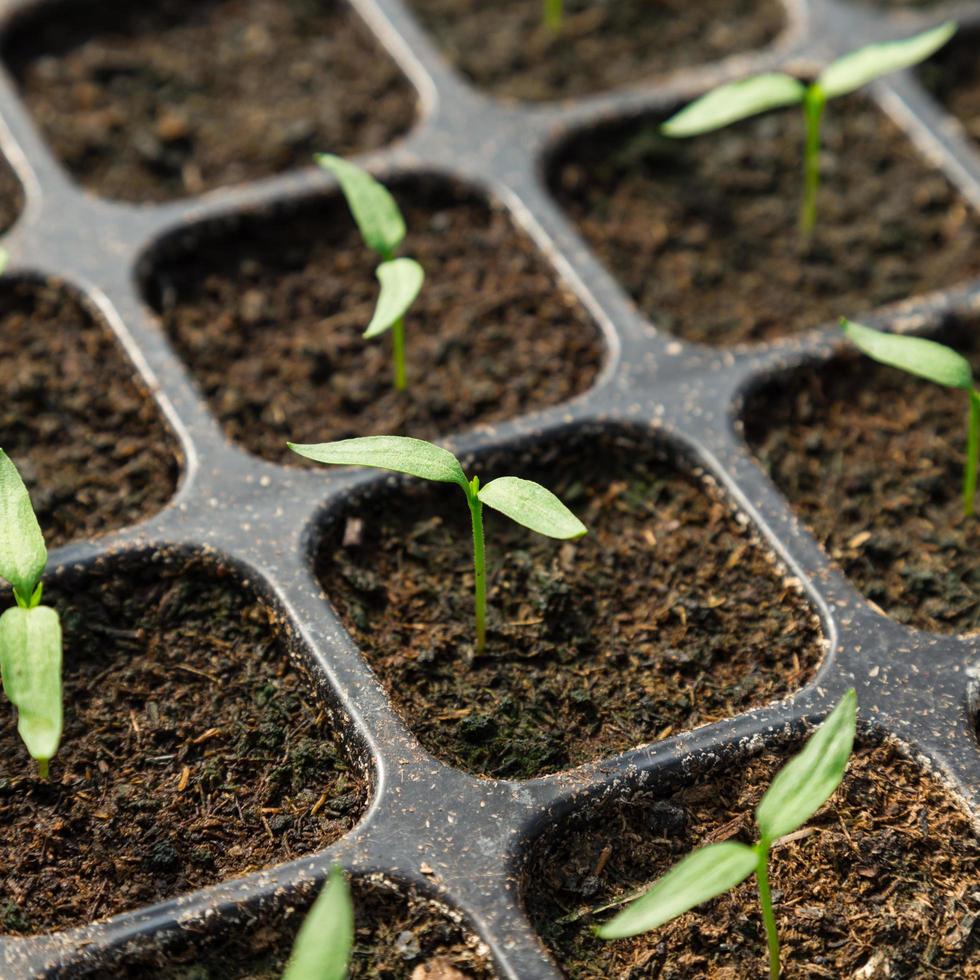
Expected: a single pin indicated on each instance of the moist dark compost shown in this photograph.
(883, 882)
(703, 233)
(154, 101)
(953, 77)
(269, 316)
(11, 196)
(193, 751)
(666, 615)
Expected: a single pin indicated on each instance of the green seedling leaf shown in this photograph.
(532, 506)
(22, 552)
(852, 71)
(809, 779)
(700, 876)
(917, 355)
(398, 453)
(30, 662)
(374, 209)
(4, 260)
(401, 280)
(736, 100)
(325, 940)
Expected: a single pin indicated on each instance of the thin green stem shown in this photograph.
(42, 768)
(398, 351)
(765, 900)
(553, 14)
(813, 104)
(972, 453)
(479, 565)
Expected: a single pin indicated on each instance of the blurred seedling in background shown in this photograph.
(554, 14)
(523, 501)
(935, 362)
(382, 228)
(761, 93)
(30, 634)
(799, 789)
(323, 946)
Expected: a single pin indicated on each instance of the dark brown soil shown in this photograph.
(504, 47)
(703, 233)
(953, 76)
(270, 315)
(11, 196)
(149, 102)
(667, 615)
(885, 884)
(193, 751)
(85, 434)
(872, 460)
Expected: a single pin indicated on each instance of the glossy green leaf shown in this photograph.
(809, 779)
(399, 453)
(30, 662)
(736, 100)
(917, 355)
(700, 876)
(401, 280)
(22, 552)
(325, 940)
(854, 70)
(531, 505)
(374, 209)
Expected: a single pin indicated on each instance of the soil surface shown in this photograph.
(193, 751)
(11, 196)
(666, 615)
(884, 883)
(872, 460)
(269, 316)
(703, 232)
(85, 434)
(953, 77)
(148, 102)
(505, 48)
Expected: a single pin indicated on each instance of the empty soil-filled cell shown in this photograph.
(882, 882)
(666, 615)
(506, 48)
(871, 459)
(149, 102)
(703, 233)
(269, 310)
(953, 77)
(75, 418)
(11, 196)
(193, 750)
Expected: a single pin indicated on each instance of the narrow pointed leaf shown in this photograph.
(374, 209)
(856, 69)
(30, 662)
(809, 779)
(700, 876)
(736, 100)
(401, 280)
(399, 453)
(326, 938)
(532, 505)
(22, 552)
(917, 355)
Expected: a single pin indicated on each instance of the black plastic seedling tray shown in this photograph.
(456, 837)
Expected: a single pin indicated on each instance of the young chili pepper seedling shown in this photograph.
(935, 362)
(523, 501)
(382, 228)
(799, 789)
(324, 943)
(30, 634)
(760, 93)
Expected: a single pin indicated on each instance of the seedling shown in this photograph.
(760, 93)
(523, 501)
(30, 634)
(382, 227)
(553, 14)
(934, 362)
(799, 789)
(323, 946)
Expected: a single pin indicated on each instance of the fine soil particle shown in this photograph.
(269, 316)
(11, 196)
(505, 48)
(666, 615)
(953, 77)
(193, 751)
(885, 884)
(398, 935)
(83, 431)
(871, 459)
(703, 232)
(149, 102)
